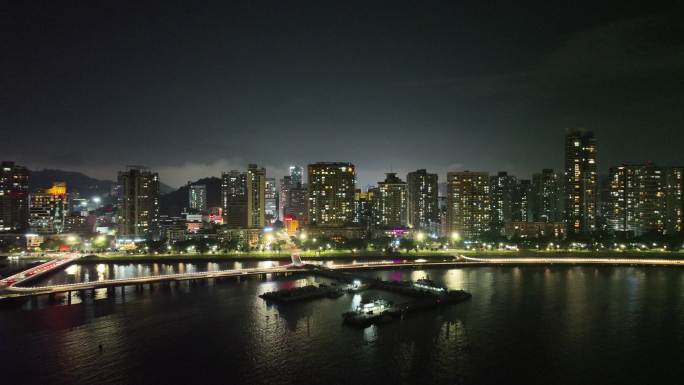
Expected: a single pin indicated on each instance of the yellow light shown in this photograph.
(302, 236)
(420, 237)
(455, 236)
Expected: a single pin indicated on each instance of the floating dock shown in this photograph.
(302, 293)
(379, 312)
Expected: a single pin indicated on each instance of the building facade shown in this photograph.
(271, 201)
(138, 213)
(468, 203)
(14, 197)
(296, 173)
(297, 204)
(234, 198)
(581, 181)
(363, 206)
(546, 197)
(391, 202)
(520, 201)
(197, 198)
(331, 193)
(675, 200)
(501, 193)
(637, 202)
(423, 210)
(48, 209)
(256, 196)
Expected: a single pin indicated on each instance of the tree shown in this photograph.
(355, 244)
(407, 244)
(155, 246)
(201, 247)
(229, 245)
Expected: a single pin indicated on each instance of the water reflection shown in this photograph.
(534, 325)
(370, 334)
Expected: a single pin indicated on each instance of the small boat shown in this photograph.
(428, 284)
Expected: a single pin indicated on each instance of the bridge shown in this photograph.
(13, 290)
(61, 260)
(15, 286)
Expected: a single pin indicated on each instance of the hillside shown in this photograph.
(173, 203)
(76, 181)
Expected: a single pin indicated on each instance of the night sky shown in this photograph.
(193, 89)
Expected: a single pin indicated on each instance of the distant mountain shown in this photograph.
(75, 181)
(165, 188)
(172, 203)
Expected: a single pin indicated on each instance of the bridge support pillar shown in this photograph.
(51, 297)
(123, 291)
(69, 298)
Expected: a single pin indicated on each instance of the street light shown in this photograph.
(420, 236)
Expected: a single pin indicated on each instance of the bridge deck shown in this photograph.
(335, 271)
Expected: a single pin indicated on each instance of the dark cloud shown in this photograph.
(192, 89)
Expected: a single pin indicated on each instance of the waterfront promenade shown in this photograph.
(18, 285)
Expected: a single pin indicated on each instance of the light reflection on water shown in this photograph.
(531, 324)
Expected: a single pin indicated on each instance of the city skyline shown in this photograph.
(341, 192)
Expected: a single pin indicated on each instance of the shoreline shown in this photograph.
(429, 256)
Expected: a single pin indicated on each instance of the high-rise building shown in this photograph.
(637, 199)
(14, 197)
(581, 181)
(285, 185)
(331, 193)
(271, 201)
(256, 196)
(197, 197)
(296, 175)
(297, 204)
(442, 205)
(654, 200)
(520, 201)
(423, 209)
(501, 194)
(391, 202)
(293, 180)
(48, 209)
(234, 198)
(468, 203)
(138, 213)
(545, 199)
(675, 200)
(363, 206)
